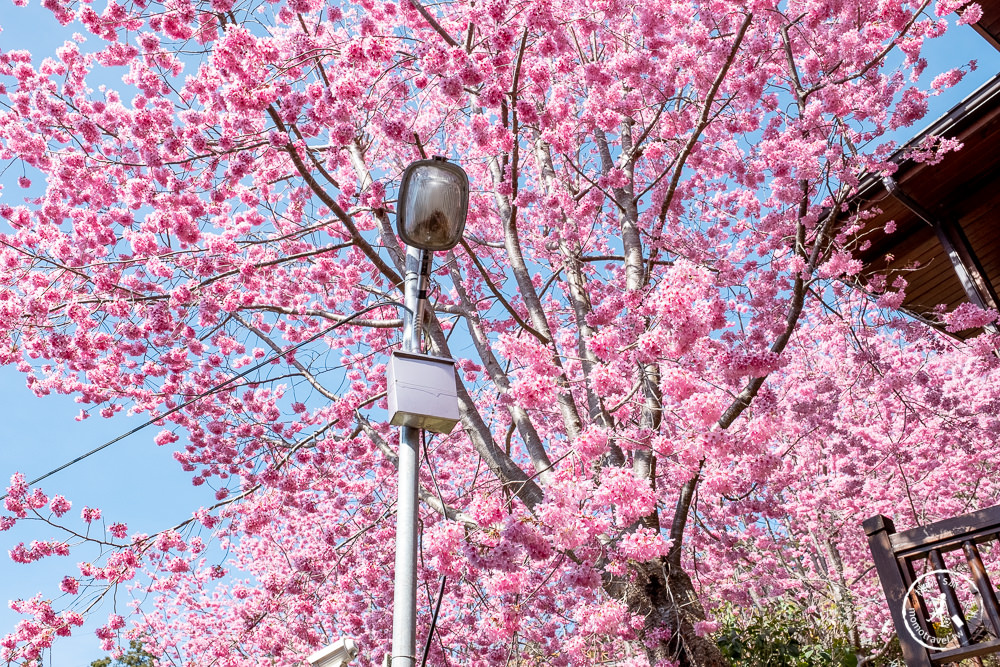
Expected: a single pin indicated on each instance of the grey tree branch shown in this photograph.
(499, 296)
(313, 312)
(310, 378)
(520, 418)
(433, 23)
(519, 268)
(357, 156)
(503, 466)
(391, 275)
(428, 498)
(579, 299)
(703, 120)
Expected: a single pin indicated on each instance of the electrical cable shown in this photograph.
(444, 578)
(434, 620)
(423, 439)
(213, 390)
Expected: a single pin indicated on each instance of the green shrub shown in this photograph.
(779, 637)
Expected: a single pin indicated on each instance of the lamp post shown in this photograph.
(433, 204)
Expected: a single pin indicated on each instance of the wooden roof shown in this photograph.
(937, 208)
(989, 25)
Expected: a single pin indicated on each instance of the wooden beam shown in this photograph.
(987, 35)
(934, 534)
(967, 265)
(963, 259)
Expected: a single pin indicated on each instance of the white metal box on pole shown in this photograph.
(422, 392)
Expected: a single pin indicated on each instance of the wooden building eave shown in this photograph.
(946, 243)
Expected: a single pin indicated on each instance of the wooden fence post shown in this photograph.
(878, 529)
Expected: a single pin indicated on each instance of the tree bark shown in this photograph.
(664, 595)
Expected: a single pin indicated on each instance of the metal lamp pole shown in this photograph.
(404, 605)
(433, 203)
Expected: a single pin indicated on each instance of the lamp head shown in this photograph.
(338, 654)
(433, 204)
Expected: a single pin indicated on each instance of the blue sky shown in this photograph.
(134, 481)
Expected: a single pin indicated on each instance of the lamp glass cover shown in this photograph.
(434, 202)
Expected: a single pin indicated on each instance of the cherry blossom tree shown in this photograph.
(876, 415)
(660, 202)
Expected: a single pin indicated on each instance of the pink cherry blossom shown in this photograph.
(670, 400)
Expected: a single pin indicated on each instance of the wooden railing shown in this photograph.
(943, 614)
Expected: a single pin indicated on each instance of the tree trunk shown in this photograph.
(665, 596)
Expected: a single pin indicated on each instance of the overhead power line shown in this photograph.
(213, 390)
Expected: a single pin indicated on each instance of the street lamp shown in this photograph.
(339, 654)
(433, 205)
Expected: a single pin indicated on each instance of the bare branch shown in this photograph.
(428, 498)
(433, 23)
